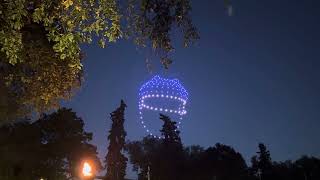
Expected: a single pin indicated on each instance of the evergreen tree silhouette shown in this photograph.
(171, 159)
(262, 164)
(116, 162)
(170, 131)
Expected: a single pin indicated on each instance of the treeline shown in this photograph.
(53, 147)
(167, 158)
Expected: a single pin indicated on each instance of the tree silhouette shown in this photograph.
(285, 171)
(308, 168)
(172, 157)
(254, 169)
(164, 157)
(262, 164)
(116, 162)
(145, 154)
(220, 162)
(50, 148)
(64, 135)
(170, 132)
(232, 164)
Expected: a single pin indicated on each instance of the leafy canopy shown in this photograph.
(40, 54)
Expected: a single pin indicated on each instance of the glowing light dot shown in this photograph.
(86, 170)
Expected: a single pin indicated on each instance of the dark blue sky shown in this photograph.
(252, 77)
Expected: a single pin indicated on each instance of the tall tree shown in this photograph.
(116, 162)
(262, 164)
(170, 132)
(172, 160)
(164, 156)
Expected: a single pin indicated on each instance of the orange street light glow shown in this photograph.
(86, 170)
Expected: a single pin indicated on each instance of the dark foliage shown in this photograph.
(168, 159)
(262, 168)
(152, 22)
(49, 148)
(262, 164)
(164, 157)
(170, 165)
(115, 161)
(54, 146)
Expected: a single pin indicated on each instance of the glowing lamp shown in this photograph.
(87, 170)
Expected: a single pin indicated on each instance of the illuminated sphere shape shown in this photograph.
(170, 91)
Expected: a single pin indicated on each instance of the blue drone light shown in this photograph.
(166, 89)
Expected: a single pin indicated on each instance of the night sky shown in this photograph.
(252, 77)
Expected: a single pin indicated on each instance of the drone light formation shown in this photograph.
(169, 90)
